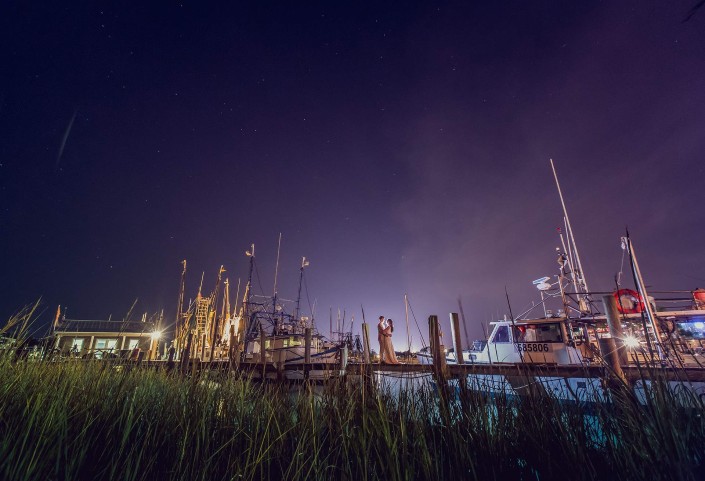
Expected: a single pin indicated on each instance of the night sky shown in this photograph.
(401, 148)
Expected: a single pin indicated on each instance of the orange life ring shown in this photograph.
(636, 302)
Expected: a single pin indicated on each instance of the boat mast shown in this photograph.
(641, 287)
(571, 237)
(248, 287)
(213, 313)
(237, 298)
(247, 297)
(276, 274)
(304, 263)
(406, 315)
(225, 308)
(179, 308)
(581, 286)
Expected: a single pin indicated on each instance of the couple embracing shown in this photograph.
(384, 336)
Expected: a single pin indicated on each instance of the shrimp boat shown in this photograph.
(285, 348)
(271, 335)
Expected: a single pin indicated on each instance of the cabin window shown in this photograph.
(77, 344)
(501, 335)
(133, 343)
(294, 342)
(538, 333)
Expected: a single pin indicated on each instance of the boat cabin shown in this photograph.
(543, 341)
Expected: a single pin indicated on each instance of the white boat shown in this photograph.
(537, 341)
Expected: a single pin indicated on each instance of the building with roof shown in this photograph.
(105, 339)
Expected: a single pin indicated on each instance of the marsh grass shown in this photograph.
(76, 420)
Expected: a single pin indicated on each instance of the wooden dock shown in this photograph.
(633, 373)
(452, 371)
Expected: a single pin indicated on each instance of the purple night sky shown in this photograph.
(401, 148)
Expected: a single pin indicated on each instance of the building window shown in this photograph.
(77, 344)
(106, 344)
(133, 343)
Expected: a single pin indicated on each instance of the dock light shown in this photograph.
(699, 325)
(631, 342)
(156, 335)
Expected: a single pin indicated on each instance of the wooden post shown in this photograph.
(437, 349)
(307, 351)
(90, 350)
(185, 358)
(232, 351)
(307, 345)
(432, 338)
(343, 358)
(614, 324)
(457, 344)
(608, 351)
(366, 343)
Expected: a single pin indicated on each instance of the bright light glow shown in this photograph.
(699, 325)
(631, 342)
(156, 335)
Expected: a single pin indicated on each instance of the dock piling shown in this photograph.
(262, 352)
(614, 325)
(366, 342)
(232, 351)
(185, 358)
(437, 349)
(608, 351)
(307, 352)
(457, 342)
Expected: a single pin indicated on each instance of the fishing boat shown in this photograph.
(662, 333)
(536, 341)
(271, 335)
